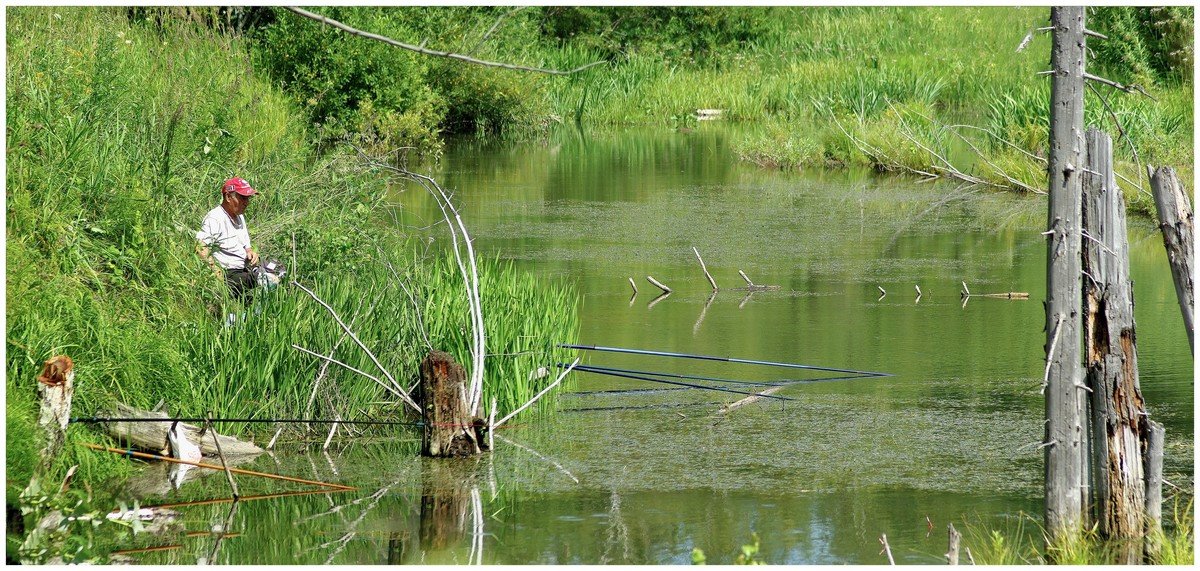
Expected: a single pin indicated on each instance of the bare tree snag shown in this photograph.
(450, 429)
(1175, 219)
(1120, 431)
(1065, 433)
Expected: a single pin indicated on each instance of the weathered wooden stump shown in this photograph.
(450, 429)
(55, 389)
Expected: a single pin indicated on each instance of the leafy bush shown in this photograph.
(351, 85)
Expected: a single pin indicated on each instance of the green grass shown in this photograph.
(119, 134)
(1024, 542)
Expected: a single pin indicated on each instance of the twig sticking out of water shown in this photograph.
(711, 281)
(634, 286)
(886, 549)
(658, 284)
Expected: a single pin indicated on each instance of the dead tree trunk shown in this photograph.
(1120, 431)
(1175, 219)
(1065, 434)
(450, 430)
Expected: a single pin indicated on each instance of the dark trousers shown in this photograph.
(241, 284)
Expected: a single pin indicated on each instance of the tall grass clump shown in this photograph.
(400, 307)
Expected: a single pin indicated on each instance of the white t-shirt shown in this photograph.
(226, 238)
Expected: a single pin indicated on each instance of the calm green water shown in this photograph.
(642, 477)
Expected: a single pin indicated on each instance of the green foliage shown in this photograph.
(1144, 44)
(349, 85)
(678, 33)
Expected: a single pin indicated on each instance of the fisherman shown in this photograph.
(224, 240)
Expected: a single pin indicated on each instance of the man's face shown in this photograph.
(235, 203)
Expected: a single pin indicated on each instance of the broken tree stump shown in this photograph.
(152, 436)
(450, 430)
(1175, 220)
(1119, 420)
(56, 386)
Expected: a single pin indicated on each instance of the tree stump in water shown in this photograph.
(450, 430)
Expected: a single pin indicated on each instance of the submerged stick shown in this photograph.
(224, 465)
(705, 268)
(146, 456)
(561, 376)
(750, 399)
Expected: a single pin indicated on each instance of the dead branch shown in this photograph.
(1131, 88)
(421, 48)
(499, 20)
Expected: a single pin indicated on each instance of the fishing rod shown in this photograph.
(771, 383)
(588, 369)
(88, 420)
(721, 359)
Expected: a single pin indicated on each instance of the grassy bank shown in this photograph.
(900, 89)
(119, 134)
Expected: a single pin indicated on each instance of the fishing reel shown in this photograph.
(269, 274)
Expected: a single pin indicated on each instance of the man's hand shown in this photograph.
(251, 258)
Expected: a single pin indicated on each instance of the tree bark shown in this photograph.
(450, 430)
(1118, 418)
(1064, 442)
(1175, 218)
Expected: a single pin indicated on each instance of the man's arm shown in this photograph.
(212, 263)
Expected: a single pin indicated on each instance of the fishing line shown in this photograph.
(588, 369)
(644, 406)
(773, 382)
(721, 359)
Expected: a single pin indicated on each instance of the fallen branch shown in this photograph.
(421, 48)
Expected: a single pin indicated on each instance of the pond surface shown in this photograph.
(635, 472)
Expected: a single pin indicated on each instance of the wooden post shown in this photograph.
(1064, 433)
(1175, 220)
(1120, 430)
(450, 429)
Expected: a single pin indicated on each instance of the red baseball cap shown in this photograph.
(238, 185)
